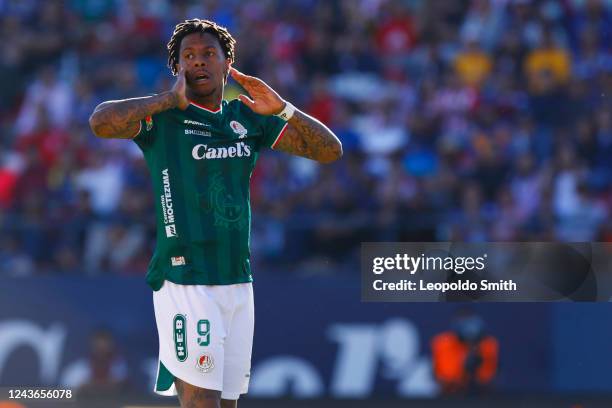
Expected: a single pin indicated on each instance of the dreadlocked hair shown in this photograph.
(197, 25)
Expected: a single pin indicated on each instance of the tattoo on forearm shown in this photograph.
(307, 137)
(120, 119)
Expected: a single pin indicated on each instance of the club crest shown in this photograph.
(205, 363)
(238, 129)
(229, 210)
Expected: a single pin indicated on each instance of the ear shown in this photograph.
(177, 68)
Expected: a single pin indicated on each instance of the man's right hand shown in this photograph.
(179, 90)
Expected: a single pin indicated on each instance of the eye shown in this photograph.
(210, 53)
(189, 56)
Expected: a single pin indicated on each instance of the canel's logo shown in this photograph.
(203, 152)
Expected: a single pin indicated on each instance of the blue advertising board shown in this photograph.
(313, 338)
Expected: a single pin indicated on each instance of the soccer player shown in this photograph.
(201, 151)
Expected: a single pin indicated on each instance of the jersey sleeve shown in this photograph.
(146, 134)
(273, 130)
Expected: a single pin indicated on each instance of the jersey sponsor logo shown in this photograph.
(197, 132)
(180, 337)
(238, 129)
(193, 122)
(171, 231)
(166, 204)
(229, 210)
(203, 152)
(205, 363)
(177, 260)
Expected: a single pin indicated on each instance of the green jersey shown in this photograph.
(201, 163)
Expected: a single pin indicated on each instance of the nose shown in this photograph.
(199, 62)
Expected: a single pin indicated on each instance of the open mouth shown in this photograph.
(201, 77)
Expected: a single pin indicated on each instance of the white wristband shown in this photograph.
(287, 112)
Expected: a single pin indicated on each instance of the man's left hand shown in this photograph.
(264, 100)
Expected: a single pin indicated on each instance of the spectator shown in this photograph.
(473, 65)
(483, 22)
(396, 35)
(465, 358)
(105, 372)
(102, 179)
(548, 59)
(46, 94)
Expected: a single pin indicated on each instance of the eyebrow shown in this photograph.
(205, 47)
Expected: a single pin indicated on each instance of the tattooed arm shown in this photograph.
(305, 136)
(121, 119)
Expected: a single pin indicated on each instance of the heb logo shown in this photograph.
(203, 152)
(180, 343)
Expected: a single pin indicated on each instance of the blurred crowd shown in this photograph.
(482, 120)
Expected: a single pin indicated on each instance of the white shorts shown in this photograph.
(205, 337)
